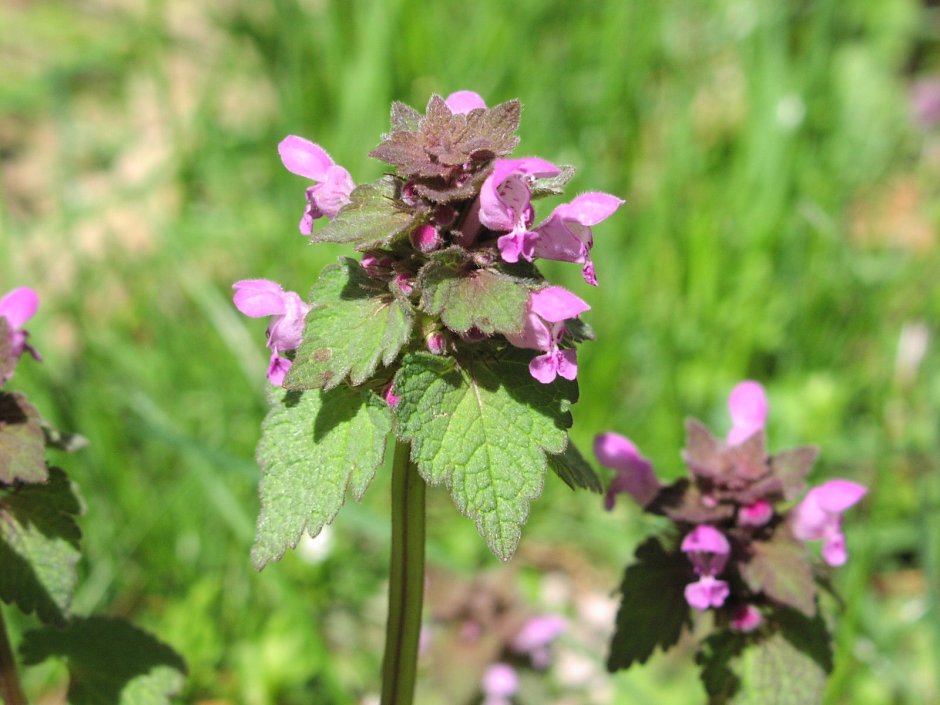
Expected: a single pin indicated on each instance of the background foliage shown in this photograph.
(781, 224)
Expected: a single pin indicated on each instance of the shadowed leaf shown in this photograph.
(576, 472)
(22, 443)
(780, 569)
(792, 466)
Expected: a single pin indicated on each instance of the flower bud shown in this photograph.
(425, 238)
(404, 282)
(436, 342)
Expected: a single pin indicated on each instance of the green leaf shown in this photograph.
(22, 443)
(482, 427)
(404, 117)
(653, 609)
(7, 360)
(785, 664)
(374, 216)
(314, 447)
(465, 297)
(355, 323)
(552, 185)
(110, 661)
(39, 546)
(780, 569)
(576, 472)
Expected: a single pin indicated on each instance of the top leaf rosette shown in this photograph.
(443, 308)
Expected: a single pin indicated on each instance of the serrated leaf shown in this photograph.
(110, 661)
(574, 470)
(374, 216)
(780, 568)
(22, 443)
(482, 428)
(465, 297)
(7, 360)
(315, 447)
(404, 117)
(39, 546)
(62, 440)
(653, 609)
(770, 668)
(355, 324)
(552, 185)
(792, 466)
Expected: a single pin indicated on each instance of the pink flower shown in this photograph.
(17, 307)
(426, 238)
(756, 514)
(461, 102)
(333, 183)
(261, 297)
(500, 682)
(536, 636)
(819, 517)
(746, 618)
(925, 101)
(747, 404)
(505, 204)
(390, 397)
(566, 234)
(543, 329)
(635, 474)
(708, 549)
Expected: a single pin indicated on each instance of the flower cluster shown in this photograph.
(741, 538)
(16, 308)
(453, 233)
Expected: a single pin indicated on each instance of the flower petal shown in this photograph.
(589, 208)
(544, 368)
(259, 297)
(838, 495)
(19, 305)
(461, 102)
(302, 157)
(555, 303)
(747, 404)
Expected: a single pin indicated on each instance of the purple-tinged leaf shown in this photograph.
(7, 359)
(22, 442)
(791, 467)
(404, 117)
(683, 501)
(653, 610)
(780, 569)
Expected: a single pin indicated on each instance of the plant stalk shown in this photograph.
(11, 692)
(406, 581)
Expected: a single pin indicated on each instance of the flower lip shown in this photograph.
(706, 539)
(460, 102)
(748, 407)
(555, 304)
(302, 157)
(19, 305)
(635, 474)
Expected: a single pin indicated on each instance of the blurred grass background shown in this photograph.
(781, 224)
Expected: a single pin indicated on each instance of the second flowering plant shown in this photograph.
(442, 332)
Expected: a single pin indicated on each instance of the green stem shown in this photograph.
(11, 692)
(406, 581)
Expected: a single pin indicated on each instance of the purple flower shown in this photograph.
(536, 636)
(17, 307)
(747, 404)
(635, 474)
(566, 234)
(425, 238)
(756, 514)
(708, 549)
(746, 618)
(333, 183)
(461, 102)
(819, 517)
(261, 297)
(505, 204)
(544, 327)
(500, 682)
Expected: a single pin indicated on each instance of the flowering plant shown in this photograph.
(428, 335)
(738, 552)
(39, 550)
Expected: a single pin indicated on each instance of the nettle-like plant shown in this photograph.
(737, 553)
(428, 336)
(109, 660)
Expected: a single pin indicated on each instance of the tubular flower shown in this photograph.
(333, 183)
(748, 406)
(708, 550)
(505, 204)
(461, 102)
(635, 474)
(819, 517)
(17, 307)
(566, 234)
(261, 297)
(543, 329)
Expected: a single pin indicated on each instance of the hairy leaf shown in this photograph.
(783, 665)
(683, 501)
(404, 117)
(653, 610)
(792, 466)
(553, 185)
(7, 361)
(39, 546)
(780, 569)
(576, 472)
(110, 661)
(22, 443)
(465, 297)
(355, 323)
(482, 427)
(315, 446)
(374, 217)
